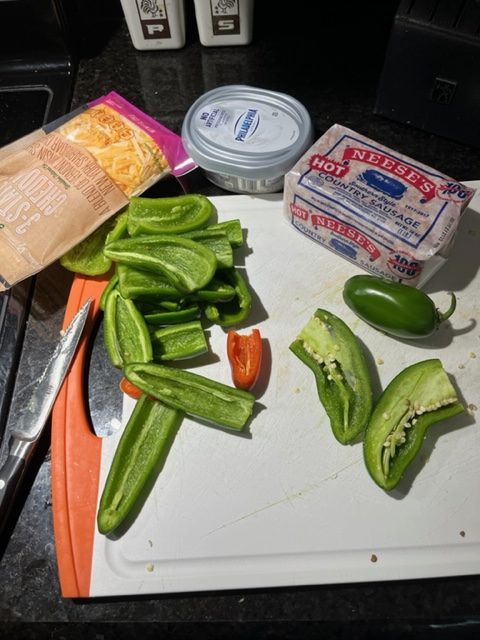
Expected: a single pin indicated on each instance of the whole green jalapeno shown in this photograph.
(416, 398)
(393, 307)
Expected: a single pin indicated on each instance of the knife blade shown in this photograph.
(26, 434)
(103, 382)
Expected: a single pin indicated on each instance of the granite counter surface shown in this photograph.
(333, 71)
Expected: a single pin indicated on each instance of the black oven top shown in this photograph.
(36, 84)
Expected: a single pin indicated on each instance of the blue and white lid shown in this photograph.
(247, 132)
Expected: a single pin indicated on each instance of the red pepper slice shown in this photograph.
(245, 357)
(130, 389)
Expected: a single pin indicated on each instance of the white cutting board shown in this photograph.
(286, 504)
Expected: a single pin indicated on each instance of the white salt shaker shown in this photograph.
(224, 22)
(155, 24)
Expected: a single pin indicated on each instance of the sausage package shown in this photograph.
(393, 216)
(60, 183)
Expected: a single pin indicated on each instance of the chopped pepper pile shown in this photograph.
(172, 266)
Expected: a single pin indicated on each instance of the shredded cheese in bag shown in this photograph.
(60, 183)
(129, 155)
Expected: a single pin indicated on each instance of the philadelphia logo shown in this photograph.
(246, 125)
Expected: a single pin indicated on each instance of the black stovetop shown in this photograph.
(34, 90)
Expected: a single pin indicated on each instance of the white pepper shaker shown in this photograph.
(155, 24)
(224, 22)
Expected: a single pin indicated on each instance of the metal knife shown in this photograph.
(25, 437)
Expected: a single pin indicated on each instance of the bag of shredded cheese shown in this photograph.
(60, 183)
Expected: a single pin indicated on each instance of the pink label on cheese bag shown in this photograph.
(170, 142)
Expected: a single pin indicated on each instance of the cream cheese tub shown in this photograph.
(246, 139)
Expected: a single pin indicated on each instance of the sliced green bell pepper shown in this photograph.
(194, 394)
(120, 229)
(217, 241)
(87, 257)
(179, 341)
(234, 311)
(216, 290)
(145, 285)
(168, 215)
(172, 316)
(187, 264)
(333, 353)
(233, 229)
(419, 396)
(111, 284)
(139, 457)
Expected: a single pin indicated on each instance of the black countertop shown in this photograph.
(332, 67)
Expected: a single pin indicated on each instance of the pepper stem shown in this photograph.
(453, 304)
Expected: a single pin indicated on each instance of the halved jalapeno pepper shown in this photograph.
(188, 265)
(416, 398)
(139, 456)
(193, 393)
(332, 351)
(168, 215)
(125, 331)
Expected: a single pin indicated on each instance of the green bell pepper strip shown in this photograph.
(416, 398)
(178, 214)
(172, 316)
(216, 290)
(233, 229)
(194, 394)
(217, 241)
(167, 305)
(111, 284)
(179, 341)
(145, 285)
(126, 335)
(120, 229)
(87, 257)
(187, 264)
(236, 310)
(393, 307)
(333, 353)
(138, 459)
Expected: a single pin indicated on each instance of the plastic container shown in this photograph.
(155, 25)
(224, 22)
(246, 139)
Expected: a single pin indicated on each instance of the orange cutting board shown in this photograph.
(76, 455)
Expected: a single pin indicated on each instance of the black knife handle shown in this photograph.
(10, 476)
